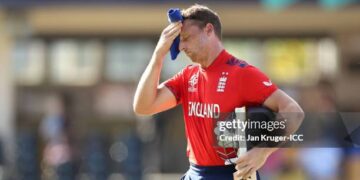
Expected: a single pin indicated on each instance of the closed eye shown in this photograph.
(184, 38)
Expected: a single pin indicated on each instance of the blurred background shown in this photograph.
(68, 71)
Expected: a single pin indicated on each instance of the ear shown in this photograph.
(209, 28)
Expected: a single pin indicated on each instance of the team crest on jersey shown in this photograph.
(193, 82)
(222, 82)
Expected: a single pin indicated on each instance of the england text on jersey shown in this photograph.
(204, 110)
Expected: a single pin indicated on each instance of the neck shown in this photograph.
(214, 52)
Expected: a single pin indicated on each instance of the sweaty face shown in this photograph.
(193, 41)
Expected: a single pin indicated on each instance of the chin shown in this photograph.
(194, 60)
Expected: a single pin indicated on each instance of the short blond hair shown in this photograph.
(203, 15)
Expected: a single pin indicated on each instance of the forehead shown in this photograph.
(189, 27)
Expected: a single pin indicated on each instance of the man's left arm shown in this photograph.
(286, 108)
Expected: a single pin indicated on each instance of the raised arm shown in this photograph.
(150, 97)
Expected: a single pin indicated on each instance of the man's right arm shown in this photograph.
(150, 97)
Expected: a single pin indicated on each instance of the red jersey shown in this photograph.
(206, 92)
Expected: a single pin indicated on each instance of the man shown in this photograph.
(217, 82)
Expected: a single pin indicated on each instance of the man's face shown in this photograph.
(193, 41)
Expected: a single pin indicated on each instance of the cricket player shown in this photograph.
(216, 82)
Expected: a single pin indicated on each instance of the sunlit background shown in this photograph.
(68, 71)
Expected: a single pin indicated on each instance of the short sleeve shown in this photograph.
(175, 83)
(257, 86)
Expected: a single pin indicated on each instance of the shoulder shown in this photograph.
(235, 62)
(250, 69)
(239, 66)
(242, 68)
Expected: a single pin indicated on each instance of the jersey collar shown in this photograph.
(223, 56)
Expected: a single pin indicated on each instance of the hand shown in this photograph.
(251, 161)
(167, 37)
